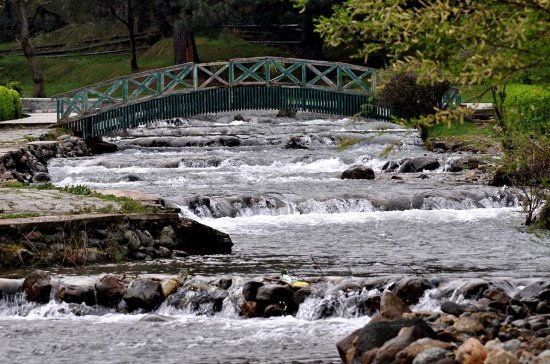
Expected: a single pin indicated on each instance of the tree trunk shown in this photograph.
(130, 24)
(28, 51)
(185, 47)
(312, 43)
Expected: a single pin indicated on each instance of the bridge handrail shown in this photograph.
(266, 71)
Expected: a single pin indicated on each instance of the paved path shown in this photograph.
(14, 133)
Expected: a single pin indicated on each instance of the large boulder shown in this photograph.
(110, 291)
(77, 293)
(392, 307)
(374, 335)
(10, 286)
(38, 286)
(406, 336)
(358, 173)
(250, 289)
(199, 299)
(411, 289)
(418, 164)
(144, 293)
(195, 238)
(532, 294)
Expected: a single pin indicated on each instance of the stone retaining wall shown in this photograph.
(27, 164)
(39, 105)
(80, 240)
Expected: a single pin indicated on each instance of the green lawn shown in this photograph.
(63, 74)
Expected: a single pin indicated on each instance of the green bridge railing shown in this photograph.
(239, 84)
(189, 77)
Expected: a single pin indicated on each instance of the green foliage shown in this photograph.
(19, 215)
(465, 42)
(410, 99)
(15, 85)
(17, 104)
(79, 190)
(7, 109)
(544, 217)
(527, 109)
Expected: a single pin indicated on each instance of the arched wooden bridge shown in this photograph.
(266, 83)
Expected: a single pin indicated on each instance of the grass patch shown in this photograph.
(18, 215)
(128, 205)
(474, 136)
(473, 93)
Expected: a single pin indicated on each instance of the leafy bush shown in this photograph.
(15, 85)
(410, 99)
(527, 109)
(17, 104)
(7, 109)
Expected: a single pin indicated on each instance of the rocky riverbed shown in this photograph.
(414, 320)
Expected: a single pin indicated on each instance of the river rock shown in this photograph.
(460, 164)
(275, 294)
(238, 117)
(40, 177)
(471, 352)
(406, 336)
(199, 299)
(390, 166)
(133, 240)
(468, 325)
(165, 252)
(431, 356)
(497, 295)
(144, 293)
(110, 291)
(473, 289)
(250, 289)
(224, 283)
(533, 293)
(170, 286)
(374, 335)
(418, 164)
(101, 147)
(77, 293)
(411, 289)
(392, 307)
(156, 318)
(38, 286)
(10, 286)
(296, 142)
(169, 164)
(286, 113)
(408, 354)
(361, 172)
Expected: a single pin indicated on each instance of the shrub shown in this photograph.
(527, 109)
(7, 109)
(409, 99)
(15, 85)
(17, 104)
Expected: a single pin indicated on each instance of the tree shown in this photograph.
(123, 11)
(484, 42)
(197, 15)
(22, 9)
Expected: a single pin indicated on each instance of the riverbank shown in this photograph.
(42, 225)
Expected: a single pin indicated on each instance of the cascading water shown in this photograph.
(274, 185)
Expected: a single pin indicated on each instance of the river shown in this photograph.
(284, 208)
